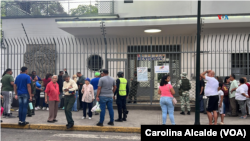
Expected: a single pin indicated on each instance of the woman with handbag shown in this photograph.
(167, 100)
(87, 98)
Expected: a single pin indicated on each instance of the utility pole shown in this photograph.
(105, 42)
(197, 96)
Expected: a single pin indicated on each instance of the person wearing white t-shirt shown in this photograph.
(241, 96)
(211, 92)
(221, 103)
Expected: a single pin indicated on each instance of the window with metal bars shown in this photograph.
(240, 64)
(95, 62)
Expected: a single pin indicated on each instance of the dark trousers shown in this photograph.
(33, 104)
(69, 101)
(37, 98)
(121, 106)
(201, 104)
(233, 106)
(227, 104)
(80, 98)
(84, 106)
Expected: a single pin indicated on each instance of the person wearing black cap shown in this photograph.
(122, 93)
(105, 96)
(134, 87)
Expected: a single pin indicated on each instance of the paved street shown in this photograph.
(135, 118)
(51, 135)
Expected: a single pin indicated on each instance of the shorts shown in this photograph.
(221, 109)
(212, 103)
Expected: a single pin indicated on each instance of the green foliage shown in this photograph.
(84, 9)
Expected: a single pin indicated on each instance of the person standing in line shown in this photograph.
(184, 86)
(76, 95)
(38, 91)
(232, 92)
(202, 85)
(94, 82)
(80, 83)
(33, 79)
(69, 89)
(166, 91)
(221, 104)
(7, 91)
(60, 81)
(22, 88)
(38, 78)
(211, 92)
(122, 94)
(87, 98)
(52, 91)
(226, 100)
(247, 99)
(219, 79)
(133, 89)
(45, 82)
(105, 96)
(241, 95)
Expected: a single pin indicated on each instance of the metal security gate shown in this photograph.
(225, 54)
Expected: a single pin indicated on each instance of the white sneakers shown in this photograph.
(37, 108)
(85, 118)
(48, 109)
(44, 108)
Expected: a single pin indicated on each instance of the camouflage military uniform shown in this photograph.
(133, 89)
(184, 98)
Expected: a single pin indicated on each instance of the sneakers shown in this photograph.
(242, 117)
(38, 107)
(90, 118)
(221, 123)
(44, 108)
(182, 113)
(124, 119)
(188, 113)
(111, 123)
(99, 124)
(63, 108)
(47, 108)
(83, 117)
(17, 110)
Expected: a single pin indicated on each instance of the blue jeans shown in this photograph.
(23, 106)
(201, 103)
(109, 102)
(94, 102)
(74, 108)
(167, 107)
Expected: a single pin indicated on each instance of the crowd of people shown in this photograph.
(102, 88)
(217, 98)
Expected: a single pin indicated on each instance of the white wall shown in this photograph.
(178, 8)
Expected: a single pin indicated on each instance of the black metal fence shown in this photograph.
(225, 54)
(31, 9)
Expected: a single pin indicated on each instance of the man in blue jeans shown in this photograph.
(105, 96)
(22, 88)
(94, 82)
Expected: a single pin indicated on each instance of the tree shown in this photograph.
(84, 9)
(47, 8)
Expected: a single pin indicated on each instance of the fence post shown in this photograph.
(248, 57)
(197, 97)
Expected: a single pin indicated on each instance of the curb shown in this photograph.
(75, 128)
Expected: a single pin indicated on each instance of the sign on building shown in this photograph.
(161, 69)
(142, 74)
(151, 57)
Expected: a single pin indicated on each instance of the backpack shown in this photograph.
(225, 90)
(185, 85)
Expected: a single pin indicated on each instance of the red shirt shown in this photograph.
(53, 91)
(46, 81)
(248, 88)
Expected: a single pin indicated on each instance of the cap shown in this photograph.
(97, 74)
(87, 79)
(104, 71)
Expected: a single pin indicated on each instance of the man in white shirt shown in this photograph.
(211, 91)
(69, 90)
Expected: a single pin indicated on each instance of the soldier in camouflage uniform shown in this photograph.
(133, 89)
(184, 86)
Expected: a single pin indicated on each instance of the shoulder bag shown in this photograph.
(174, 101)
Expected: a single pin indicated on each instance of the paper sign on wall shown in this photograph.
(161, 69)
(142, 74)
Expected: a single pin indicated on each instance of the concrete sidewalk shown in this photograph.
(135, 119)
